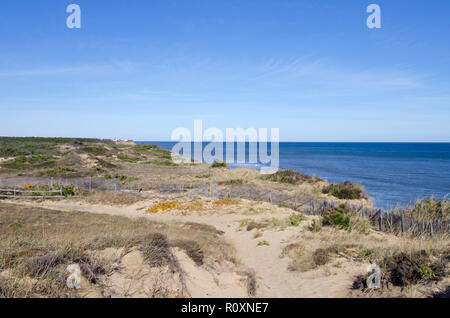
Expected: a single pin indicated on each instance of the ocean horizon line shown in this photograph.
(310, 142)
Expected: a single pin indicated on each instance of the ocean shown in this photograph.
(392, 173)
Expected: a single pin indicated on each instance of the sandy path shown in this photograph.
(274, 278)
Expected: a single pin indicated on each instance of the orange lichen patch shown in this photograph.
(231, 182)
(28, 186)
(175, 205)
(225, 202)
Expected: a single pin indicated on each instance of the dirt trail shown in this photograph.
(271, 271)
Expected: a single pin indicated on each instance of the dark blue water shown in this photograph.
(392, 173)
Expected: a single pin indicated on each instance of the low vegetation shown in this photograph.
(404, 269)
(290, 176)
(127, 158)
(160, 163)
(294, 219)
(162, 153)
(219, 164)
(231, 182)
(345, 191)
(144, 148)
(430, 210)
(58, 172)
(98, 151)
(37, 161)
(342, 218)
(224, 202)
(72, 157)
(36, 245)
(263, 243)
(28, 146)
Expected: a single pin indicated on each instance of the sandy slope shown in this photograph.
(271, 271)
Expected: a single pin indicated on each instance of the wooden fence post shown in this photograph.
(60, 191)
(431, 229)
(380, 220)
(402, 223)
(14, 192)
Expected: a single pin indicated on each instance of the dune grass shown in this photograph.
(37, 244)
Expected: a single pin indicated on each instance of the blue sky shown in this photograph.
(138, 69)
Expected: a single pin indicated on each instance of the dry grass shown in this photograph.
(430, 210)
(223, 202)
(157, 253)
(110, 198)
(252, 284)
(313, 249)
(37, 244)
(294, 219)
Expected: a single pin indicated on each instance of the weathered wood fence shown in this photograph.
(386, 221)
(88, 183)
(31, 194)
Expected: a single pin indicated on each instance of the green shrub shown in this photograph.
(431, 210)
(57, 171)
(290, 176)
(126, 158)
(97, 169)
(427, 273)
(30, 162)
(296, 219)
(345, 191)
(337, 217)
(160, 163)
(219, 164)
(343, 219)
(68, 191)
(144, 147)
(94, 150)
(126, 179)
(162, 153)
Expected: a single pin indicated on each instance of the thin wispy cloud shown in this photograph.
(48, 71)
(321, 71)
(89, 69)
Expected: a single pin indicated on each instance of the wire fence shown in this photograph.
(386, 221)
(31, 194)
(88, 183)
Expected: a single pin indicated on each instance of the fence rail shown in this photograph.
(17, 193)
